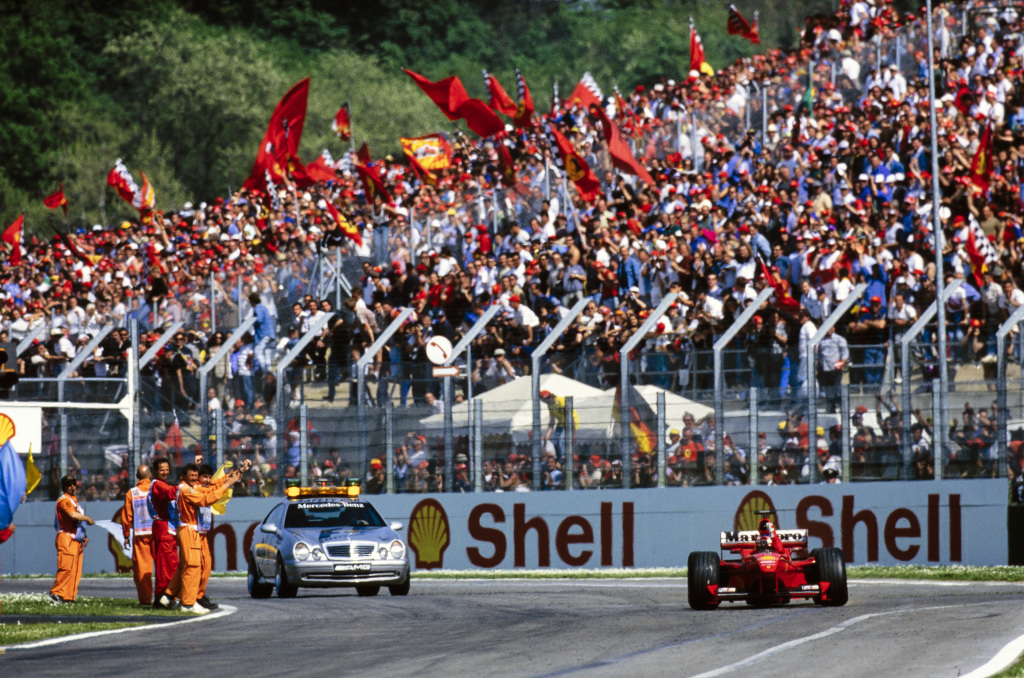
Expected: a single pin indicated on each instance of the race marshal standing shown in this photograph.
(191, 498)
(135, 519)
(71, 540)
(163, 509)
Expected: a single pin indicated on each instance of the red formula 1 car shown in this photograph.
(772, 569)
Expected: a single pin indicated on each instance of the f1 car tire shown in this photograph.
(257, 587)
(702, 571)
(284, 588)
(832, 570)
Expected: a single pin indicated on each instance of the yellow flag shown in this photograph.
(222, 504)
(32, 474)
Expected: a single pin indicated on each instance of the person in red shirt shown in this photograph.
(71, 541)
(163, 510)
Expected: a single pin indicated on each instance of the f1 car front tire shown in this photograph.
(702, 572)
(832, 571)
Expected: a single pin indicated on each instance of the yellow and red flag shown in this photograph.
(123, 182)
(697, 61)
(737, 25)
(576, 167)
(524, 109)
(363, 154)
(344, 224)
(981, 164)
(373, 185)
(642, 419)
(57, 199)
(342, 124)
(428, 154)
(506, 166)
(12, 236)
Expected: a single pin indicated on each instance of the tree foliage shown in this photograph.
(182, 89)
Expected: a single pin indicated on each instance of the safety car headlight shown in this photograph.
(382, 552)
(301, 551)
(397, 550)
(317, 553)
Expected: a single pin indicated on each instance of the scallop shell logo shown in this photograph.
(429, 535)
(6, 429)
(746, 516)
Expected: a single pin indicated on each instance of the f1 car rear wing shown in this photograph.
(738, 540)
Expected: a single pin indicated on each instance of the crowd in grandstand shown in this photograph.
(837, 193)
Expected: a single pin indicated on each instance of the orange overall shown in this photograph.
(135, 518)
(69, 549)
(188, 577)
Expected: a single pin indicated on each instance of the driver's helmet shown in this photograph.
(764, 543)
(766, 529)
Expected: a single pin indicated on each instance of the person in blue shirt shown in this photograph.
(264, 332)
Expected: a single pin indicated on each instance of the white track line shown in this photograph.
(753, 659)
(1002, 660)
(224, 611)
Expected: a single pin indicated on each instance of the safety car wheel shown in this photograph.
(257, 588)
(284, 588)
(367, 591)
(832, 570)
(400, 589)
(702, 571)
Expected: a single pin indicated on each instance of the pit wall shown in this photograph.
(927, 523)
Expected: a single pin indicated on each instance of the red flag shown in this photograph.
(621, 154)
(281, 140)
(12, 236)
(782, 299)
(320, 170)
(576, 167)
(145, 198)
(123, 182)
(981, 165)
(448, 94)
(174, 442)
(372, 183)
(426, 154)
(506, 166)
(964, 100)
(297, 171)
(57, 199)
(480, 118)
(524, 110)
(342, 124)
(587, 92)
(697, 61)
(737, 25)
(497, 97)
(346, 227)
(363, 154)
(978, 263)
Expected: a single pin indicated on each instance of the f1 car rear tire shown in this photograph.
(702, 572)
(832, 571)
(257, 587)
(285, 589)
(367, 591)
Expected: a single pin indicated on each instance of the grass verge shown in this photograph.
(14, 634)
(40, 604)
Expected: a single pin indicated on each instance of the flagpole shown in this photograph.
(940, 427)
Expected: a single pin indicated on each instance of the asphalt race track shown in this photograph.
(638, 627)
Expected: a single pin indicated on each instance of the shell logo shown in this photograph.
(746, 516)
(429, 534)
(6, 429)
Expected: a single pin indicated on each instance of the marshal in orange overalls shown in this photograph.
(135, 518)
(190, 540)
(70, 542)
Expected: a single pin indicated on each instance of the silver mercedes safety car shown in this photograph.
(326, 537)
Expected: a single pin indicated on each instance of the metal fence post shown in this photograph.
(207, 367)
(1003, 414)
(632, 343)
(134, 388)
(764, 113)
(213, 306)
(219, 423)
(753, 462)
(937, 425)
(569, 471)
(662, 422)
(389, 445)
(304, 445)
(63, 441)
(844, 426)
(478, 445)
(449, 444)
